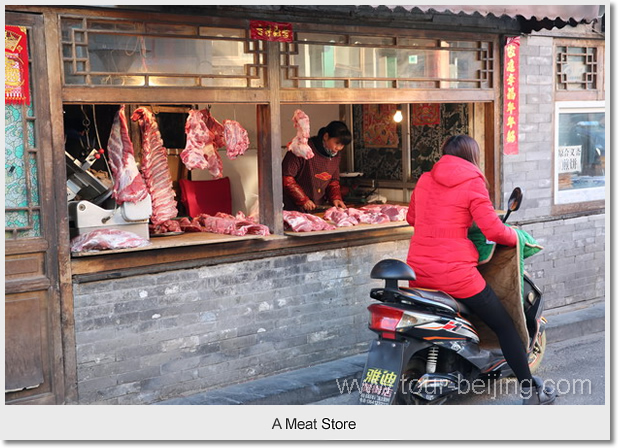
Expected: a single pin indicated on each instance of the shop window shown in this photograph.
(580, 152)
(136, 54)
(351, 61)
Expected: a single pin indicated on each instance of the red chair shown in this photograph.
(206, 196)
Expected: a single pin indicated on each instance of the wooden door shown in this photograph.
(34, 372)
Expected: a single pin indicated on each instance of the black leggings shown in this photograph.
(487, 306)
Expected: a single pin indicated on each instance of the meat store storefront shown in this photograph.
(218, 284)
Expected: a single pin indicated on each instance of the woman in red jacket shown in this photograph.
(444, 204)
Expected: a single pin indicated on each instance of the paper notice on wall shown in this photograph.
(569, 159)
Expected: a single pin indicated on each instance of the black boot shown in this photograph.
(538, 393)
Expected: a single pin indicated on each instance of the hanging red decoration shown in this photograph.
(425, 114)
(272, 31)
(511, 96)
(16, 84)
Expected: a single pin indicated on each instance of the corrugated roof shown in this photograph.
(578, 13)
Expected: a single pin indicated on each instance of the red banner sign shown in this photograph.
(16, 88)
(511, 96)
(273, 31)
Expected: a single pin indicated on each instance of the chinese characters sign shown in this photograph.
(570, 159)
(511, 96)
(273, 31)
(16, 88)
(378, 386)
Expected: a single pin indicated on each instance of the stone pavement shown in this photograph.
(315, 383)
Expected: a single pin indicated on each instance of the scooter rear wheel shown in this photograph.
(538, 351)
(415, 368)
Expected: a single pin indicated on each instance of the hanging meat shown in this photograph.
(129, 186)
(200, 151)
(236, 139)
(155, 169)
(299, 145)
(215, 127)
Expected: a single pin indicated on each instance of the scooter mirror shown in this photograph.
(515, 199)
(514, 202)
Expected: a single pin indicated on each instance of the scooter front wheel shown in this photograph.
(538, 351)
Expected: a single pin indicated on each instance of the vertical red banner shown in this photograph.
(511, 96)
(16, 88)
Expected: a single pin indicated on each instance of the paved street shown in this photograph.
(575, 366)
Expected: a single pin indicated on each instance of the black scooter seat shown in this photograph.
(439, 297)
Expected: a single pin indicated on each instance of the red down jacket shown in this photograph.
(444, 204)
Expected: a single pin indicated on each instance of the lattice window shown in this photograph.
(103, 52)
(351, 61)
(576, 68)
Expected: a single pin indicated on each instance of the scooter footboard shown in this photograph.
(383, 370)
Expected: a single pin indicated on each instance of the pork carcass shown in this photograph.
(217, 129)
(129, 186)
(299, 144)
(200, 151)
(236, 138)
(155, 169)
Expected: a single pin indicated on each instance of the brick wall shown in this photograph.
(571, 268)
(146, 338)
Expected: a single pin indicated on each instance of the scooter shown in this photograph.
(430, 347)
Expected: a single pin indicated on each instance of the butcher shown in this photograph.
(312, 182)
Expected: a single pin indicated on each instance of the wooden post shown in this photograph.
(269, 147)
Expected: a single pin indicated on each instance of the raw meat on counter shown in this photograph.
(163, 227)
(200, 151)
(304, 222)
(129, 186)
(236, 139)
(224, 223)
(394, 212)
(106, 239)
(352, 216)
(299, 145)
(155, 169)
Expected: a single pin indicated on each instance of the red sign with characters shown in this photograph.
(16, 88)
(273, 31)
(511, 96)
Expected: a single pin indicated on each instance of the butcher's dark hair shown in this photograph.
(338, 130)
